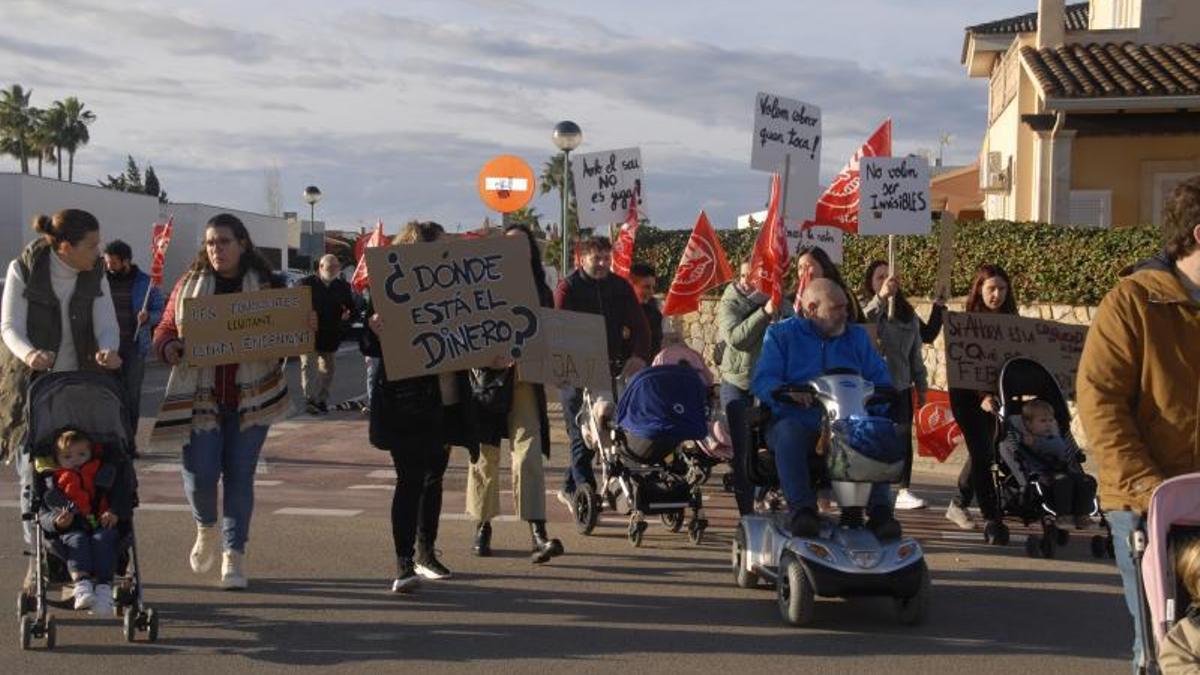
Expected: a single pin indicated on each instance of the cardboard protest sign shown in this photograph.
(576, 352)
(978, 345)
(785, 127)
(823, 237)
(454, 304)
(893, 195)
(237, 327)
(941, 287)
(605, 183)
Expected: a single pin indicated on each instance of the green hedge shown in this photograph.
(1047, 263)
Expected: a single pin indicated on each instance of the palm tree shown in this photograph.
(44, 140)
(75, 121)
(16, 123)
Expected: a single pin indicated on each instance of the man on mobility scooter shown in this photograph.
(796, 351)
(818, 376)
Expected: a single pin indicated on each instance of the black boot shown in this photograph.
(544, 548)
(483, 539)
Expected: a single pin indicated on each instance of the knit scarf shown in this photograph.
(190, 404)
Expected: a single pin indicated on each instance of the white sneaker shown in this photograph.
(85, 594)
(104, 601)
(907, 501)
(960, 517)
(204, 551)
(566, 499)
(233, 577)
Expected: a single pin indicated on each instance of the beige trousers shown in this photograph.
(317, 369)
(528, 478)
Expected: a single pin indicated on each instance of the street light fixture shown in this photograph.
(567, 136)
(312, 195)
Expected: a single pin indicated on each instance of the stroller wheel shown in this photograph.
(743, 577)
(24, 604)
(995, 532)
(26, 627)
(637, 528)
(1063, 537)
(51, 632)
(130, 625)
(696, 531)
(673, 520)
(794, 592)
(152, 625)
(1033, 546)
(1099, 546)
(587, 509)
(1047, 547)
(727, 482)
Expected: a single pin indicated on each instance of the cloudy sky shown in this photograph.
(391, 107)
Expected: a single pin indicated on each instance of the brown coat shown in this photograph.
(1139, 387)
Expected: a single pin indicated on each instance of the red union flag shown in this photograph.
(937, 432)
(360, 280)
(702, 267)
(622, 252)
(160, 239)
(769, 259)
(838, 207)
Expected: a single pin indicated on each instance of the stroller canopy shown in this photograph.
(665, 403)
(1022, 379)
(90, 402)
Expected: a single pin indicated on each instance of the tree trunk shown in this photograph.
(39, 165)
(24, 157)
(59, 149)
(70, 166)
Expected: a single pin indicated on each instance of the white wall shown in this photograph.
(265, 231)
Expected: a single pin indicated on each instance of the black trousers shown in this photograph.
(1070, 493)
(902, 415)
(979, 431)
(417, 501)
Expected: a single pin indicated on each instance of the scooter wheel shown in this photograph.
(1062, 537)
(1033, 546)
(794, 592)
(1099, 546)
(26, 630)
(587, 509)
(743, 577)
(912, 611)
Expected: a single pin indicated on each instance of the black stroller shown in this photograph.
(95, 404)
(1019, 496)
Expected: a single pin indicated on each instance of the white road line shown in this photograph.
(9, 504)
(464, 516)
(382, 473)
(174, 467)
(297, 511)
(165, 507)
(267, 483)
(963, 536)
(371, 486)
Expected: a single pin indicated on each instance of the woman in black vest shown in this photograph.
(416, 420)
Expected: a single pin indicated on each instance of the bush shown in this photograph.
(1047, 263)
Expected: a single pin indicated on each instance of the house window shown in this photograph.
(1164, 184)
(1091, 207)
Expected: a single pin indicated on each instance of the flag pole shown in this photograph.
(787, 171)
(146, 300)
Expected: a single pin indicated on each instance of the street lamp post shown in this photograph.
(567, 136)
(312, 195)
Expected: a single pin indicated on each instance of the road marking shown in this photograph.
(267, 483)
(372, 486)
(165, 507)
(297, 511)
(468, 517)
(382, 473)
(10, 504)
(162, 467)
(962, 536)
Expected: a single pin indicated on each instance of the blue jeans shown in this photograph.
(579, 471)
(228, 455)
(1122, 524)
(794, 443)
(372, 368)
(92, 554)
(743, 492)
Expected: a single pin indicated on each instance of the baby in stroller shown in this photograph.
(1035, 449)
(75, 515)
(1179, 651)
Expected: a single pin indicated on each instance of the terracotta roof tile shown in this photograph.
(1100, 70)
(1076, 19)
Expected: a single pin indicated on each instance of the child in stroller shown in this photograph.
(1035, 449)
(1179, 651)
(75, 514)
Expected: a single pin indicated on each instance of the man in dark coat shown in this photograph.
(643, 278)
(333, 302)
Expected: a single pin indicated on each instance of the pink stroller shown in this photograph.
(1174, 513)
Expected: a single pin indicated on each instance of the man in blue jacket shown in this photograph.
(794, 352)
(137, 315)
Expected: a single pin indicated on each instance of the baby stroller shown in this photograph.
(699, 458)
(1174, 514)
(1018, 493)
(661, 408)
(95, 404)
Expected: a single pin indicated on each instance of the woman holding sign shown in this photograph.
(219, 414)
(517, 411)
(975, 411)
(899, 337)
(416, 419)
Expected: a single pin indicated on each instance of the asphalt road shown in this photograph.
(321, 564)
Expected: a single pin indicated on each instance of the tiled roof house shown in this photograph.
(1093, 109)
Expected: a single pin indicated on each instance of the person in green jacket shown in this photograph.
(743, 317)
